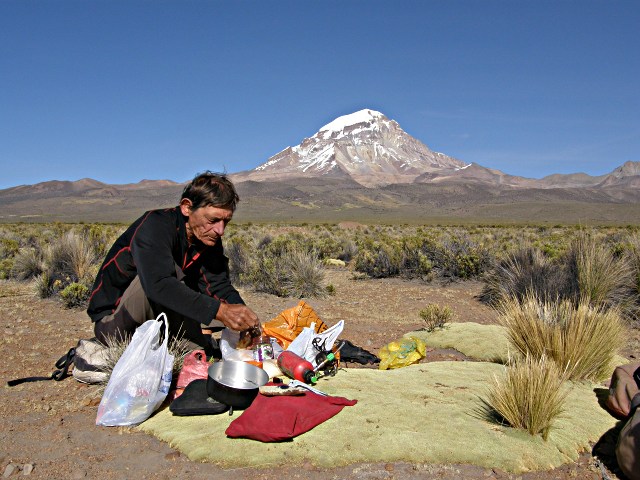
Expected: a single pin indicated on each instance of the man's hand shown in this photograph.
(237, 317)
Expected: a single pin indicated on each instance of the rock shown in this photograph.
(78, 474)
(335, 262)
(172, 456)
(9, 469)
(27, 468)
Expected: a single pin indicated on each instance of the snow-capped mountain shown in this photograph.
(364, 146)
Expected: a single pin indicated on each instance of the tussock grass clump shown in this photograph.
(28, 263)
(588, 271)
(582, 340)
(289, 271)
(434, 316)
(74, 256)
(530, 396)
(43, 286)
(634, 259)
(116, 345)
(522, 272)
(304, 275)
(597, 275)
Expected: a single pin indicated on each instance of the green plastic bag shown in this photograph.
(401, 353)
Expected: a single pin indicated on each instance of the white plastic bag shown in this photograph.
(141, 378)
(302, 345)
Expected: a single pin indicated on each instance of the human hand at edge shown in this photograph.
(237, 317)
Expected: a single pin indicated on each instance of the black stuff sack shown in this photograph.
(196, 401)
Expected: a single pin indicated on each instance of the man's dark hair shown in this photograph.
(213, 189)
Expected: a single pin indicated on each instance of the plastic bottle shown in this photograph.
(296, 367)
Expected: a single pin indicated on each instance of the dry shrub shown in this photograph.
(530, 396)
(582, 340)
(434, 316)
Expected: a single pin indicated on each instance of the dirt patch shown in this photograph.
(49, 427)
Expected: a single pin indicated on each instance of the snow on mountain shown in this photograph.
(365, 146)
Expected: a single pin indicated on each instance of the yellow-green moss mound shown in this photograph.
(426, 413)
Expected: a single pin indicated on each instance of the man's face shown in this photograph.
(205, 224)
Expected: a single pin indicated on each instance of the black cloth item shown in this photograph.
(151, 248)
(196, 401)
(351, 353)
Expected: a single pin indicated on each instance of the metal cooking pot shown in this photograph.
(235, 383)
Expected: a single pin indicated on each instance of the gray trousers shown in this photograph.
(135, 308)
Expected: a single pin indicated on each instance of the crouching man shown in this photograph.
(172, 261)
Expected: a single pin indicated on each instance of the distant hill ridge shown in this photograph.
(361, 165)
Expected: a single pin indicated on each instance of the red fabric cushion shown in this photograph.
(277, 418)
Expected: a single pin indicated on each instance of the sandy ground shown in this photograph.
(47, 429)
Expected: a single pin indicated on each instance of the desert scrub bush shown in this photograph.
(434, 316)
(582, 340)
(414, 263)
(237, 250)
(521, 273)
(349, 249)
(529, 397)
(101, 236)
(377, 261)
(457, 256)
(8, 247)
(74, 295)
(6, 266)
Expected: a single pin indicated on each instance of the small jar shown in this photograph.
(262, 349)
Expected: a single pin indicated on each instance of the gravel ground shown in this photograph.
(47, 429)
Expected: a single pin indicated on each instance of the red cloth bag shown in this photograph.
(277, 418)
(194, 367)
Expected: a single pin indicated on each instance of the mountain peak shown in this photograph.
(362, 116)
(365, 146)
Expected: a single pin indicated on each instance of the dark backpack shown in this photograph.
(622, 402)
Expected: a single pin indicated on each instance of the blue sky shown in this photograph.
(121, 91)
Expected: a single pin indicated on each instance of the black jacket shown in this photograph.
(151, 248)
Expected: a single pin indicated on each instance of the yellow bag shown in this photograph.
(402, 353)
(289, 323)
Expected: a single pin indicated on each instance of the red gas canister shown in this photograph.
(296, 367)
